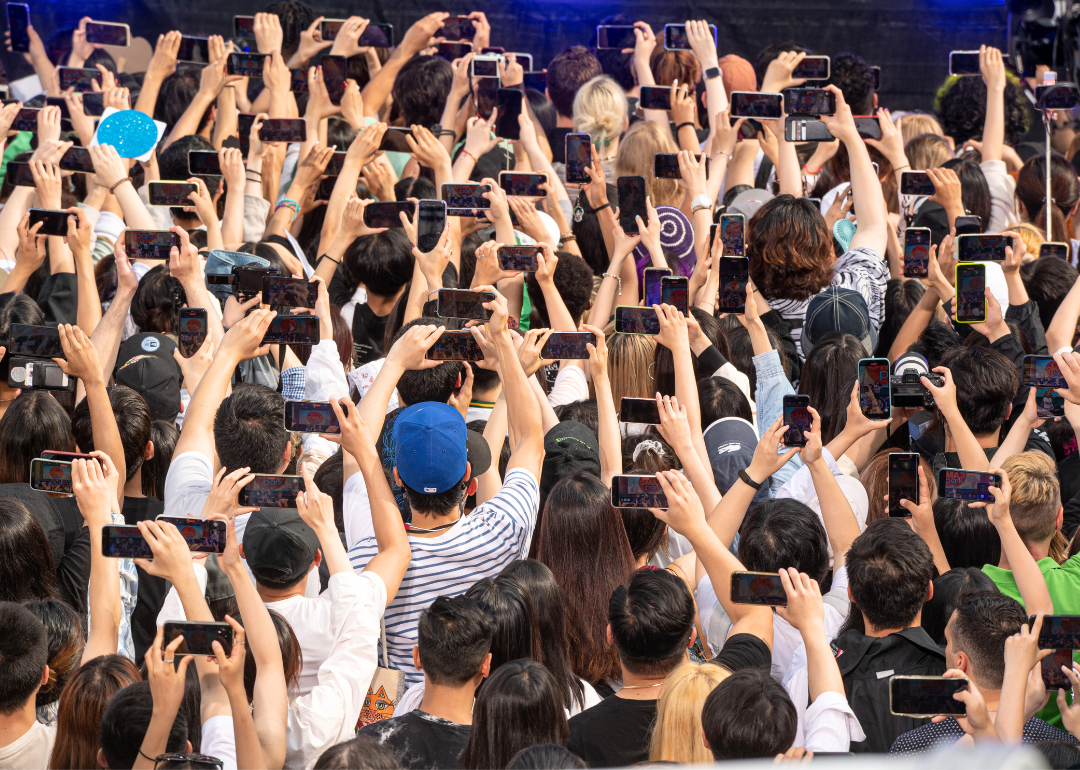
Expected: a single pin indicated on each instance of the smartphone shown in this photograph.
(967, 225)
(675, 37)
(453, 51)
(798, 129)
(751, 104)
(298, 81)
(19, 174)
(567, 346)
(79, 78)
(93, 104)
(56, 454)
(1053, 677)
(334, 73)
(616, 37)
(536, 80)
(916, 183)
(194, 49)
(388, 214)
(734, 276)
(283, 130)
(637, 492)
(797, 418)
(917, 252)
(248, 65)
(199, 638)
(809, 101)
(812, 68)
(51, 475)
(456, 28)
(903, 482)
(925, 696)
(203, 163)
(333, 168)
(1052, 249)
(311, 417)
(518, 258)
(964, 63)
(292, 330)
(77, 159)
(652, 284)
(54, 222)
(244, 26)
(394, 139)
(631, 319)
(465, 200)
(982, 248)
(1059, 632)
(171, 193)
(875, 388)
(640, 410)
(330, 27)
(25, 120)
(674, 291)
(455, 345)
(655, 98)
(377, 35)
(732, 230)
(18, 16)
(1043, 372)
(959, 484)
(632, 193)
(485, 65)
(462, 303)
(191, 330)
(760, 588)
(202, 536)
(666, 165)
(107, 33)
(970, 282)
(267, 491)
(508, 101)
(150, 244)
(289, 292)
(524, 185)
(1048, 403)
(38, 374)
(578, 158)
(248, 279)
(430, 224)
(867, 127)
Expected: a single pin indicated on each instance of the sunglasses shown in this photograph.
(195, 759)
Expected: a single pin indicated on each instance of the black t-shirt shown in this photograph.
(368, 330)
(420, 740)
(616, 731)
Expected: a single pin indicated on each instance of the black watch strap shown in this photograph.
(749, 481)
(712, 72)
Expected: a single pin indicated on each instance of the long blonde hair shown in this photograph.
(629, 359)
(600, 111)
(676, 737)
(637, 150)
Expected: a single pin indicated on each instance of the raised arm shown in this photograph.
(607, 419)
(186, 267)
(96, 495)
(1029, 578)
(805, 611)
(992, 66)
(162, 64)
(418, 37)
(971, 454)
(922, 519)
(675, 429)
(211, 81)
(80, 232)
(840, 523)
(106, 336)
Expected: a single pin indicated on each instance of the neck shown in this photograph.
(1037, 550)
(280, 594)
(986, 441)
(992, 698)
(879, 633)
(380, 305)
(133, 488)
(645, 687)
(488, 396)
(641, 561)
(16, 724)
(454, 704)
(433, 521)
(564, 122)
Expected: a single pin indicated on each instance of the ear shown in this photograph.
(242, 556)
(1060, 518)
(471, 489)
(188, 749)
(693, 637)
(485, 667)
(397, 478)
(852, 598)
(286, 457)
(318, 559)
(416, 658)
(1009, 412)
(607, 634)
(705, 740)
(963, 662)
(929, 591)
(468, 470)
(875, 101)
(148, 453)
(45, 676)
(101, 759)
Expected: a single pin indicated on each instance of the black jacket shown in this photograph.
(866, 664)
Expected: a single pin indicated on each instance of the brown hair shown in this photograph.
(568, 72)
(1064, 189)
(669, 66)
(82, 705)
(1036, 495)
(790, 251)
(635, 157)
(875, 480)
(927, 151)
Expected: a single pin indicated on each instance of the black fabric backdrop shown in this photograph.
(909, 39)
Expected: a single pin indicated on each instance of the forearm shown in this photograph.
(866, 189)
(1029, 578)
(333, 551)
(226, 122)
(156, 739)
(687, 138)
(88, 314)
(104, 595)
(372, 407)
(198, 431)
(18, 203)
(232, 224)
(967, 446)
(106, 336)
(686, 388)
(548, 418)
(788, 173)
(60, 259)
(249, 751)
(607, 430)
(914, 324)
(717, 169)
(840, 523)
(521, 411)
(136, 216)
(1017, 291)
(189, 122)
(1060, 332)
(394, 551)
(344, 189)
(1014, 442)
(199, 296)
(719, 564)
(993, 138)
(103, 427)
(727, 515)
(718, 102)
(558, 316)
(823, 675)
(148, 94)
(378, 88)
(192, 599)
(279, 103)
(700, 475)
(490, 482)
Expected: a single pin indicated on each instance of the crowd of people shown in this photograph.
(454, 579)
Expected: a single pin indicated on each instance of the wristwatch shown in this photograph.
(700, 202)
(712, 72)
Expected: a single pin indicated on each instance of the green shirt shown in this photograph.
(1063, 582)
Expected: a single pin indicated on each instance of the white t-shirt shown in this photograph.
(219, 740)
(312, 622)
(187, 485)
(414, 697)
(31, 751)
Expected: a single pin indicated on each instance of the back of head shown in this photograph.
(629, 358)
(24, 654)
(967, 536)
(514, 633)
(889, 569)
(875, 480)
(67, 637)
(546, 756)
(783, 533)
(635, 157)
(421, 88)
(436, 384)
(990, 383)
(176, 93)
(852, 75)
(1059, 754)
(1047, 282)
(573, 280)
(584, 412)
(363, 752)
(125, 722)
(27, 567)
(616, 64)
(1031, 191)
(152, 308)
(914, 123)
(790, 251)
(33, 422)
(19, 309)
(901, 297)
(670, 66)
(249, 429)
(678, 714)
(645, 532)
(651, 620)
(600, 110)
(164, 436)
(947, 587)
(719, 397)
(829, 365)
(382, 262)
(927, 151)
(568, 72)
(295, 17)
(132, 418)
(749, 716)
(173, 165)
(518, 706)
(974, 191)
(454, 636)
(982, 623)
(1036, 495)
(82, 705)
(961, 108)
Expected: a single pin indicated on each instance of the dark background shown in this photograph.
(909, 39)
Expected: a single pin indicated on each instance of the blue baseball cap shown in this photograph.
(430, 447)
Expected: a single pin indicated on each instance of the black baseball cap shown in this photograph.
(156, 381)
(279, 546)
(569, 447)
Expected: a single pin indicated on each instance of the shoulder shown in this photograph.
(520, 492)
(926, 737)
(1037, 730)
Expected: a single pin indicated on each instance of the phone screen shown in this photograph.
(674, 291)
(465, 199)
(567, 345)
(1062, 250)
(93, 104)
(812, 68)
(983, 248)
(244, 26)
(916, 183)
(484, 67)
(81, 79)
(518, 258)
(734, 276)
(970, 297)
(917, 252)
(1043, 371)
(751, 104)
(867, 127)
(51, 454)
(311, 417)
(675, 38)
(964, 63)
(655, 98)
(388, 214)
(283, 130)
(797, 418)
(809, 101)
(455, 345)
(272, 491)
(524, 185)
(18, 20)
(77, 159)
(666, 165)
(292, 330)
(37, 341)
(50, 475)
(903, 482)
(102, 33)
(632, 193)
(203, 163)
(25, 120)
(1059, 632)
(637, 492)
(298, 82)
(732, 231)
(639, 410)
(617, 37)
(959, 484)
(192, 330)
(53, 222)
(194, 49)
(1048, 403)
(377, 35)
(249, 278)
(150, 244)
(333, 71)
(430, 223)
(199, 638)
(461, 303)
(20, 175)
(925, 696)
(652, 284)
(394, 139)
(248, 65)
(330, 27)
(171, 193)
(289, 292)
(457, 28)
(578, 158)
(875, 388)
(630, 319)
(1053, 677)
(453, 51)
(202, 535)
(508, 102)
(760, 588)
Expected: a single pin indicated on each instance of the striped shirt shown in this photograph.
(477, 546)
